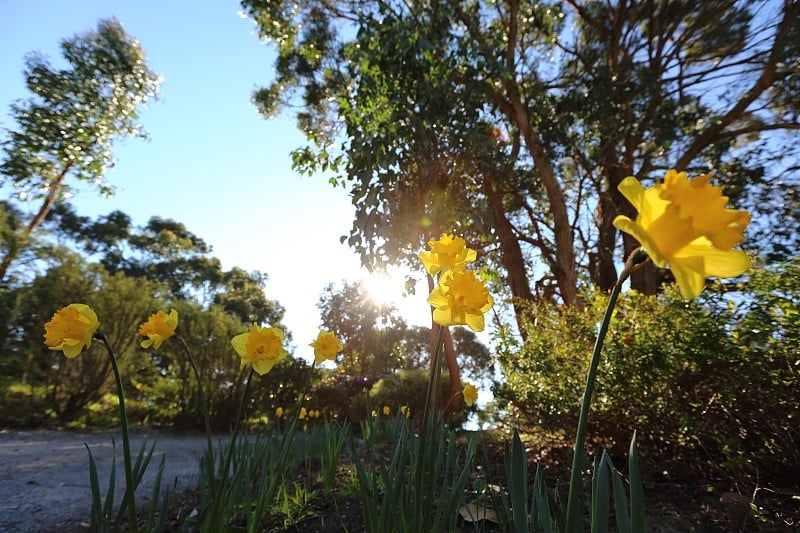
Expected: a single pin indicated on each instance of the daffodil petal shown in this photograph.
(719, 263)
(475, 322)
(627, 225)
(690, 275)
(633, 191)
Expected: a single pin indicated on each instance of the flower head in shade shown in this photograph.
(446, 253)
(685, 224)
(303, 413)
(71, 329)
(326, 347)
(261, 347)
(158, 328)
(387, 410)
(460, 299)
(470, 394)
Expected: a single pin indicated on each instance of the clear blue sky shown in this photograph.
(212, 162)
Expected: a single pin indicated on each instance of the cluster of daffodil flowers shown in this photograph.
(73, 328)
(460, 297)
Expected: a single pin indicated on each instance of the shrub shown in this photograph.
(705, 382)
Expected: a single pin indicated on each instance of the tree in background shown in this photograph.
(377, 341)
(68, 128)
(513, 123)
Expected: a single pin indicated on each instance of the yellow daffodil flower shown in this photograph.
(303, 413)
(326, 347)
(279, 412)
(446, 253)
(261, 347)
(470, 394)
(460, 299)
(387, 410)
(158, 328)
(405, 411)
(684, 223)
(71, 329)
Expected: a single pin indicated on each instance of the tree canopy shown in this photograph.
(69, 125)
(513, 123)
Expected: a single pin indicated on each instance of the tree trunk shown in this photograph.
(510, 254)
(16, 248)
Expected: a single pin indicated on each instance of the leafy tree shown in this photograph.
(120, 302)
(372, 334)
(513, 122)
(376, 340)
(68, 128)
(165, 251)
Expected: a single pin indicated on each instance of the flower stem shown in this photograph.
(636, 259)
(215, 514)
(206, 419)
(126, 445)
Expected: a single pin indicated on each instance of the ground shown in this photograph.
(44, 486)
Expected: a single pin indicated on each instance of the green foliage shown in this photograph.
(77, 113)
(514, 123)
(713, 380)
(69, 126)
(71, 385)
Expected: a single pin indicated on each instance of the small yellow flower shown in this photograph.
(326, 347)
(470, 394)
(446, 253)
(316, 413)
(303, 413)
(684, 223)
(260, 347)
(460, 299)
(279, 412)
(386, 410)
(405, 411)
(374, 413)
(71, 329)
(158, 328)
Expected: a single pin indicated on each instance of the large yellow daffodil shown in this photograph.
(71, 329)
(460, 299)
(261, 347)
(326, 347)
(684, 224)
(446, 253)
(158, 328)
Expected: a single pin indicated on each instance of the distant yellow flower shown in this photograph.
(71, 329)
(460, 299)
(303, 413)
(405, 411)
(446, 253)
(158, 328)
(316, 413)
(326, 347)
(386, 410)
(279, 412)
(260, 347)
(470, 394)
(374, 413)
(684, 223)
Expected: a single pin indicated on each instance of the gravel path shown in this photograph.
(44, 475)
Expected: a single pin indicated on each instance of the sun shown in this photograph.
(384, 288)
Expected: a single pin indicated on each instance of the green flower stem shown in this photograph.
(635, 261)
(126, 444)
(206, 419)
(213, 526)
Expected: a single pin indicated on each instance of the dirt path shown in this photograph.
(44, 475)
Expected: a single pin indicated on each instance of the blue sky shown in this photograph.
(212, 162)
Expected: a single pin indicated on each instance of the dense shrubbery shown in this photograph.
(711, 382)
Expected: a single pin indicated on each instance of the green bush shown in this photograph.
(705, 382)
